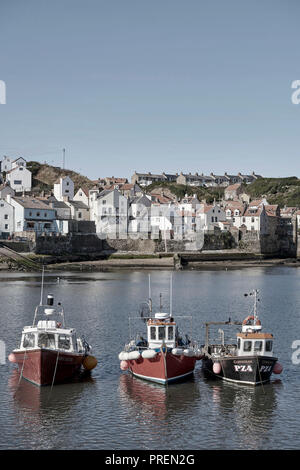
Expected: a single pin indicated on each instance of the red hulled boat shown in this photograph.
(165, 356)
(50, 352)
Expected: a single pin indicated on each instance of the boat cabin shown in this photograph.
(260, 344)
(47, 334)
(161, 330)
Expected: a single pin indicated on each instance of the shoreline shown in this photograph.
(139, 262)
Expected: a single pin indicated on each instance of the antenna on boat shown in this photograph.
(171, 295)
(160, 302)
(42, 287)
(255, 292)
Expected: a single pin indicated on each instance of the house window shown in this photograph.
(6, 216)
(37, 214)
(67, 183)
(30, 213)
(252, 219)
(45, 214)
(6, 226)
(21, 168)
(79, 215)
(17, 181)
(66, 190)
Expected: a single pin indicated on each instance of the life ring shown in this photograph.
(58, 325)
(251, 317)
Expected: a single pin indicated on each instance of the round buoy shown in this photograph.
(89, 362)
(123, 365)
(217, 368)
(277, 368)
(12, 358)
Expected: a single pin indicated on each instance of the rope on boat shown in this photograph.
(54, 374)
(261, 382)
(21, 373)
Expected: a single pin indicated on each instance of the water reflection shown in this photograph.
(252, 410)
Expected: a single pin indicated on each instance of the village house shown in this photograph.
(234, 211)
(139, 215)
(6, 219)
(109, 211)
(82, 195)
(19, 177)
(145, 179)
(209, 216)
(32, 215)
(233, 191)
(64, 188)
(193, 180)
(5, 189)
(5, 164)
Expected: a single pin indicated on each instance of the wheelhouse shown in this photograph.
(161, 331)
(47, 335)
(255, 344)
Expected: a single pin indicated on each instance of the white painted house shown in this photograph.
(210, 216)
(109, 211)
(6, 219)
(139, 215)
(82, 195)
(19, 177)
(64, 188)
(6, 163)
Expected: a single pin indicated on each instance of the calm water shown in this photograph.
(112, 410)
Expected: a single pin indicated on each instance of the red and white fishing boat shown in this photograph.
(50, 352)
(164, 356)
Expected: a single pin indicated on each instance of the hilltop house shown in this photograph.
(19, 177)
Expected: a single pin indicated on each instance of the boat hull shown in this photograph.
(40, 365)
(163, 368)
(249, 370)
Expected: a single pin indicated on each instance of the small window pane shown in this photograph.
(161, 332)
(170, 333)
(269, 346)
(46, 341)
(247, 346)
(257, 346)
(153, 332)
(29, 340)
(64, 342)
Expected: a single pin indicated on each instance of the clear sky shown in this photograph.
(152, 85)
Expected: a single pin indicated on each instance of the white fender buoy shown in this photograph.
(12, 358)
(217, 367)
(123, 356)
(189, 352)
(177, 351)
(133, 355)
(149, 353)
(123, 365)
(277, 368)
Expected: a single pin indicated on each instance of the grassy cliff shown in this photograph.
(44, 176)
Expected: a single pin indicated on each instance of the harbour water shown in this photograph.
(112, 410)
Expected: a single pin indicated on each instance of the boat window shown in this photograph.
(170, 333)
(247, 346)
(269, 346)
(258, 346)
(239, 343)
(64, 342)
(29, 340)
(46, 340)
(161, 332)
(152, 332)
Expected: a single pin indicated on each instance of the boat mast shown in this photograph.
(42, 286)
(150, 299)
(171, 295)
(255, 306)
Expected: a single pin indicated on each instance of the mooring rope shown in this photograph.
(54, 374)
(21, 373)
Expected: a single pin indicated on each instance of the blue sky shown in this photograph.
(160, 85)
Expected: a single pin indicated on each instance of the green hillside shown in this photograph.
(44, 176)
(281, 191)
